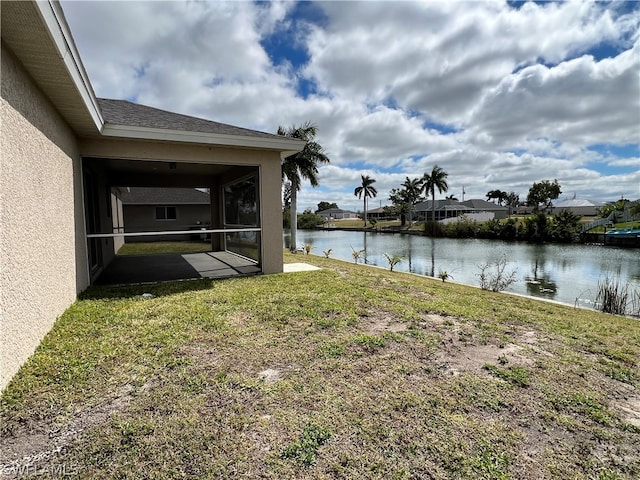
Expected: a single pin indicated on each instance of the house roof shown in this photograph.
(576, 202)
(484, 205)
(329, 211)
(123, 112)
(38, 34)
(378, 210)
(440, 204)
(127, 119)
(164, 196)
(455, 205)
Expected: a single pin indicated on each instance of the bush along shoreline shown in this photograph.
(540, 228)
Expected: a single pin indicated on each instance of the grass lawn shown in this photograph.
(147, 248)
(349, 372)
(619, 225)
(355, 223)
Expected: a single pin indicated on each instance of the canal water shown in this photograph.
(565, 273)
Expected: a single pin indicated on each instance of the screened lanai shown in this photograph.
(231, 222)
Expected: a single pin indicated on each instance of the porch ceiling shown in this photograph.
(150, 173)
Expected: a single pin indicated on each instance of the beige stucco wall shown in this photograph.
(142, 218)
(271, 205)
(41, 262)
(267, 161)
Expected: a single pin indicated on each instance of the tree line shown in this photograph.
(563, 226)
(404, 199)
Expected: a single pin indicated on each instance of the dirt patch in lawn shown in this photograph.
(29, 451)
(460, 357)
(381, 322)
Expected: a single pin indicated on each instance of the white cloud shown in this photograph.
(518, 89)
(440, 57)
(580, 102)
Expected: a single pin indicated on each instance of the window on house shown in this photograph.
(165, 213)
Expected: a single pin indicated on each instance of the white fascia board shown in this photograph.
(53, 18)
(146, 133)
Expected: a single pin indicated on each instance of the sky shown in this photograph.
(499, 94)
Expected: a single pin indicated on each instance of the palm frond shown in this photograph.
(304, 164)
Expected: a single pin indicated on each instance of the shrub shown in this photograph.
(566, 227)
(509, 230)
(433, 229)
(393, 260)
(356, 254)
(444, 275)
(308, 220)
(490, 229)
(612, 296)
(494, 276)
(535, 228)
(464, 227)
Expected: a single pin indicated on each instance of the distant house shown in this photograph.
(337, 214)
(578, 206)
(499, 211)
(165, 209)
(379, 213)
(67, 156)
(453, 208)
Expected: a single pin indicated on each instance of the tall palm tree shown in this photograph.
(367, 190)
(301, 165)
(413, 187)
(436, 179)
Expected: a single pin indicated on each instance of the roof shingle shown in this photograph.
(125, 113)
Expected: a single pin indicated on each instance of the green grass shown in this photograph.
(619, 225)
(347, 372)
(356, 223)
(148, 248)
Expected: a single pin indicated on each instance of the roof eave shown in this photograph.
(285, 145)
(60, 33)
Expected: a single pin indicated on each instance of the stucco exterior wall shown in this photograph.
(271, 205)
(142, 218)
(40, 272)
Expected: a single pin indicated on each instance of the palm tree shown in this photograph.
(498, 195)
(413, 187)
(301, 165)
(367, 190)
(451, 197)
(437, 179)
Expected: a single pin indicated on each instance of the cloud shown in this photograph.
(441, 57)
(498, 96)
(580, 102)
(166, 51)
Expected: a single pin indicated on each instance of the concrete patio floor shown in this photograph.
(128, 269)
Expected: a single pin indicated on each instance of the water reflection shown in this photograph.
(541, 286)
(567, 273)
(540, 283)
